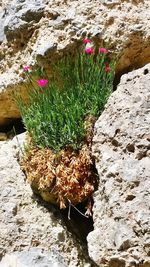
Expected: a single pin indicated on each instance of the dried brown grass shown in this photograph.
(61, 178)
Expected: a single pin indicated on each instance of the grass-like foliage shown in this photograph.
(58, 107)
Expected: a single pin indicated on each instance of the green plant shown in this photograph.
(57, 109)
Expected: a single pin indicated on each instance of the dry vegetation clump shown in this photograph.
(63, 177)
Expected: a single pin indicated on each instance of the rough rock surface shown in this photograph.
(36, 232)
(37, 31)
(121, 146)
(33, 257)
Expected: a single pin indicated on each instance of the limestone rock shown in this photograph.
(121, 146)
(30, 231)
(37, 32)
(21, 17)
(2, 36)
(33, 257)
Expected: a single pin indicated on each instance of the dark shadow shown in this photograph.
(13, 127)
(78, 225)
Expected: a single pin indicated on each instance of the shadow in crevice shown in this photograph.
(13, 127)
(78, 224)
(118, 75)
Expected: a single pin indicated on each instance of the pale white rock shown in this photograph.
(121, 146)
(32, 258)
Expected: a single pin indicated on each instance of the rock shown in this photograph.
(121, 148)
(31, 233)
(21, 17)
(45, 48)
(40, 31)
(13, 27)
(2, 35)
(33, 257)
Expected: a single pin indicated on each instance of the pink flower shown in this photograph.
(42, 82)
(26, 68)
(86, 41)
(103, 50)
(89, 50)
(107, 69)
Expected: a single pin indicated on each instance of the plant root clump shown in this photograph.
(61, 178)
